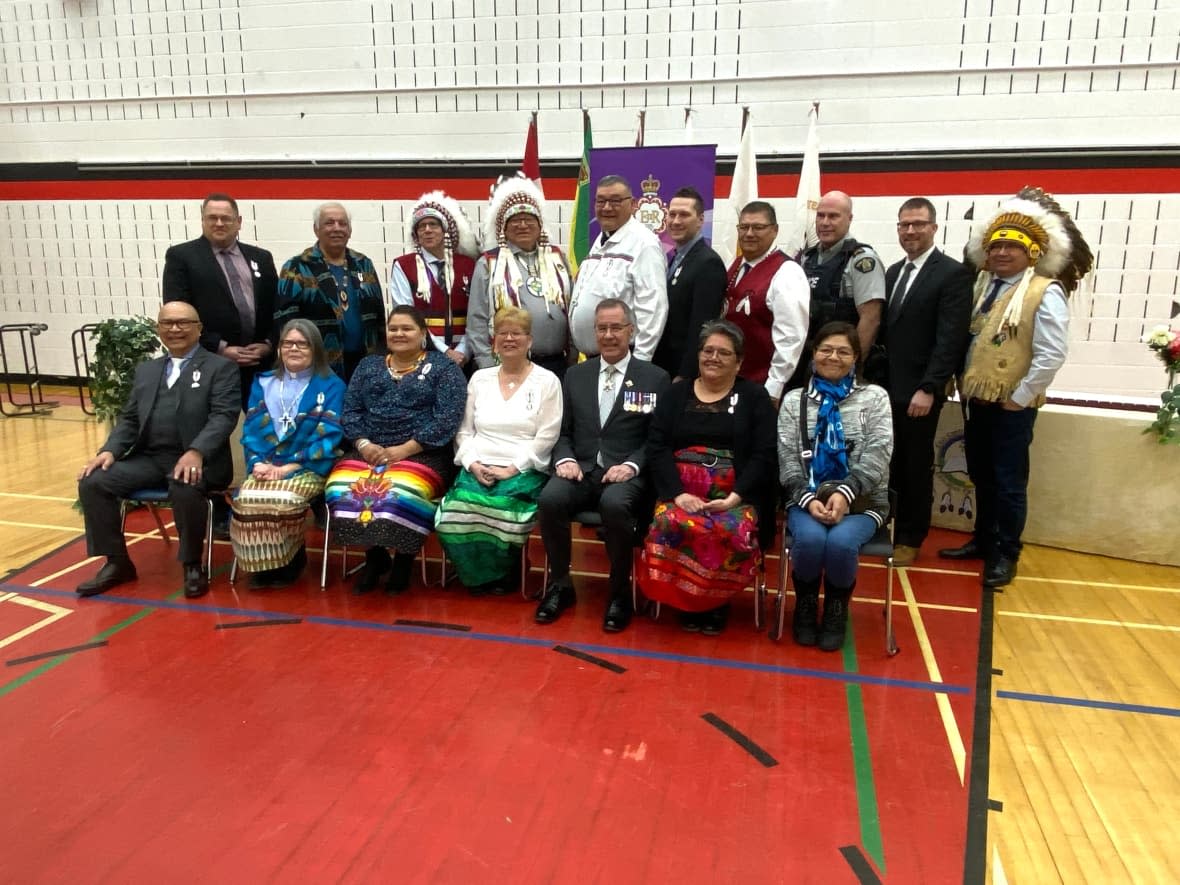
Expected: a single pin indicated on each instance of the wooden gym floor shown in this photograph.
(1024, 736)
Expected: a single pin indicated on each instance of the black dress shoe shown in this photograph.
(713, 621)
(999, 572)
(970, 550)
(399, 574)
(116, 571)
(556, 600)
(690, 622)
(196, 582)
(618, 615)
(377, 563)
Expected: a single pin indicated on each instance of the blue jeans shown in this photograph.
(828, 549)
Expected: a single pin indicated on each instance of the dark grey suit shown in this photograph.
(696, 294)
(206, 411)
(623, 438)
(925, 337)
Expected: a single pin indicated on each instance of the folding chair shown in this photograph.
(156, 498)
(344, 570)
(879, 545)
(590, 519)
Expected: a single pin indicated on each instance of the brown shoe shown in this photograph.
(904, 555)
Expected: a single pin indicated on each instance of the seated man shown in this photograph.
(174, 431)
(598, 460)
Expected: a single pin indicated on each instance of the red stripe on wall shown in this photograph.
(862, 184)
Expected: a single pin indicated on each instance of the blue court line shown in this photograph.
(668, 657)
(1086, 702)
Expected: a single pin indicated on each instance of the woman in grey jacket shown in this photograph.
(836, 481)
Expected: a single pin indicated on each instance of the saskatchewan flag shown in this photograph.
(580, 225)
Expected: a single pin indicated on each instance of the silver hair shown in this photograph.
(607, 303)
(319, 211)
(726, 328)
(319, 355)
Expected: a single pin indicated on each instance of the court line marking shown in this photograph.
(537, 642)
(37, 497)
(1108, 585)
(742, 740)
(40, 656)
(949, 723)
(55, 613)
(40, 525)
(1095, 622)
(868, 812)
(1065, 701)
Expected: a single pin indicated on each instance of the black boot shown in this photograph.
(376, 564)
(803, 621)
(835, 620)
(399, 575)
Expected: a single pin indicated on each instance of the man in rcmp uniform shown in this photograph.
(435, 277)
(523, 270)
(625, 262)
(847, 278)
(1032, 257)
(766, 297)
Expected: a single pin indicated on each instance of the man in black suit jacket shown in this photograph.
(231, 284)
(925, 336)
(598, 463)
(173, 431)
(696, 286)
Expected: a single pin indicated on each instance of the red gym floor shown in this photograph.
(300, 736)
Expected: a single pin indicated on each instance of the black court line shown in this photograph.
(995, 805)
(740, 739)
(975, 852)
(864, 871)
(435, 625)
(258, 622)
(996, 671)
(589, 659)
(53, 654)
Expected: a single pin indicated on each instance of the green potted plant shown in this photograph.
(120, 345)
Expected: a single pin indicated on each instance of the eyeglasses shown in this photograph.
(913, 225)
(613, 202)
(722, 352)
(177, 324)
(845, 353)
(221, 219)
(510, 333)
(290, 344)
(754, 228)
(612, 328)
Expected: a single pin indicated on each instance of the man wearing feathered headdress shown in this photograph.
(1031, 256)
(522, 270)
(435, 277)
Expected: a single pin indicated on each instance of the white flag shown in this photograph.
(742, 190)
(807, 197)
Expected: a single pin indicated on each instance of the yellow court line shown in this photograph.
(999, 877)
(37, 497)
(1105, 584)
(951, 726)
(1097, 622)
(39, 604)
(131, 539)
(56, 614)
(38, 525)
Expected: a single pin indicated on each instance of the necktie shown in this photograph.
(174, 367)
(672, 262)
(991, 296)
(606, 399)
(243, 304)
(899, 291)
(745, 268)
(440, 274)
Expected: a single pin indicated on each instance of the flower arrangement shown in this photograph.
(1166, 343)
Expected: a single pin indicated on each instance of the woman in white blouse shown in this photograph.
(511, 424)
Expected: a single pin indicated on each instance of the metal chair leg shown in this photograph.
(891, 647)
(209, 536)
(324, 557)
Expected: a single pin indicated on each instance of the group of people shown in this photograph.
(703, 396)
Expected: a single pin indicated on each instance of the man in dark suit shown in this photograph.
(599, 460)
(925, 337)
(696, 286)
(174, 431)
(231, 284)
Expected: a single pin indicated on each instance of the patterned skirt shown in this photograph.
(387, 506)
(268, 520)
(482, 529)
(697, 561)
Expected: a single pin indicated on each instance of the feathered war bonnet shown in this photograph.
(458, 235)
(512, 196)
(1055, 246)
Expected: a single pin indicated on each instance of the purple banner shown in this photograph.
(655, 174)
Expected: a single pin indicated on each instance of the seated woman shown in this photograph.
(711, 455)
(836, 481)
(291, 437)
(401, 411)
(511, 424)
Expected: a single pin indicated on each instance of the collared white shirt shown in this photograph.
(401, 292)
(917, 263)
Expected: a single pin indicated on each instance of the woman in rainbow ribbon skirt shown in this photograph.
(401, 411)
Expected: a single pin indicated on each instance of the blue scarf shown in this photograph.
(830, 461)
